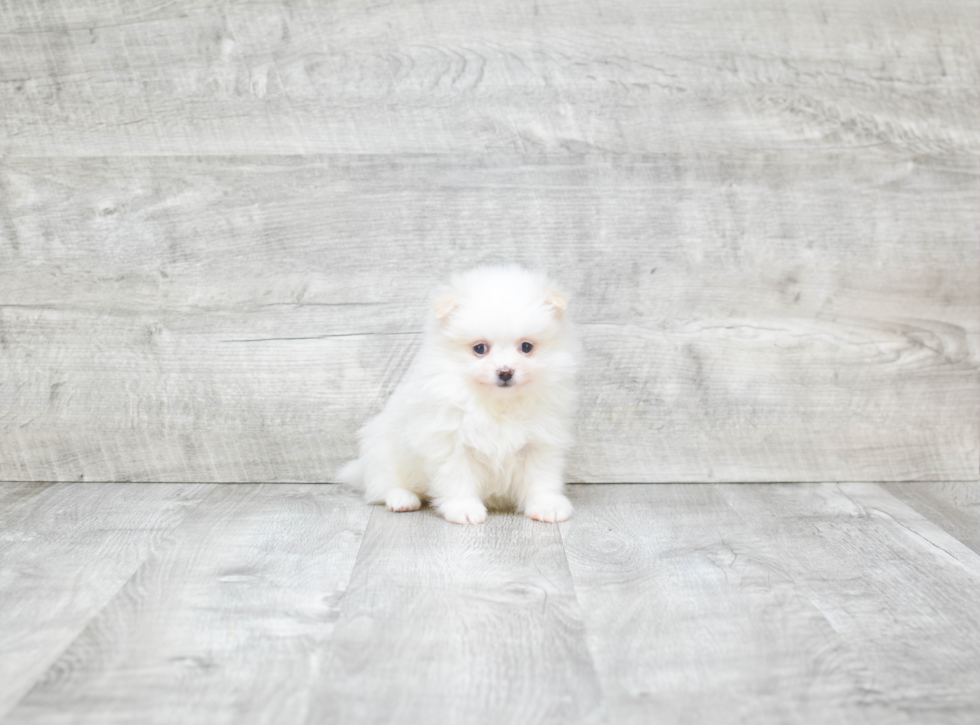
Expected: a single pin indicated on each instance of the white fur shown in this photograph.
(452, 432)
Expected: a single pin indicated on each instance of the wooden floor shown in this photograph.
(293, 603)
(220, 224)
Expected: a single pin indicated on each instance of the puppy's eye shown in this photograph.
(480, 349)
(526, 347)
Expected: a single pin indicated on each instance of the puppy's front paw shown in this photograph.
(551, 508)
(464, 511)
(401, 499)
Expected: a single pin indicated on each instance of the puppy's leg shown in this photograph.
(382, 483)
(543, 486)
(455, 491)
(401, 499)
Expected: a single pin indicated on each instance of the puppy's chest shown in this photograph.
(493, 437)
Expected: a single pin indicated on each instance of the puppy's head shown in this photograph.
(503, 328)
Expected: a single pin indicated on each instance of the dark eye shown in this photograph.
(526, 347)
(480, 349)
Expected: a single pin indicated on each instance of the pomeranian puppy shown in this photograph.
(483, 417)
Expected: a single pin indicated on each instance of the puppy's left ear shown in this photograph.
(557, 300)
(444, 307)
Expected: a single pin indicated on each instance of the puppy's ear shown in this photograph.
(444, 307)
(557, 300)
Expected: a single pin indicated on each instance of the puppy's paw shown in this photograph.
(401, 499)
(464, 511)
(552, 508)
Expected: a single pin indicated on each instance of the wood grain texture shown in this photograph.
(692, 617)
(777, 316)
(953, 505)
(65, 552)
(17, 498)
(459, 624)
(191, 77)
(222, 626)
(763, 604)
(900, 590)
(777, 603)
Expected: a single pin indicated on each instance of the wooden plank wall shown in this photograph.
(219, 223)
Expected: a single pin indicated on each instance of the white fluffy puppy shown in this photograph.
(484, 415)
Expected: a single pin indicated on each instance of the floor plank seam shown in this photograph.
(168, 540)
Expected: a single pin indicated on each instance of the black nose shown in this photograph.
(505, 374)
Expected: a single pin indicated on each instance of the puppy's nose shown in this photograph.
(505, 374)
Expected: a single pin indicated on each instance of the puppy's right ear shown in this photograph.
(444, 307)
(557, 301)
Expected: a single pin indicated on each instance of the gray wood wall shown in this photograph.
(219, 223)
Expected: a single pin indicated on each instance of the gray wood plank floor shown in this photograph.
(292, 603)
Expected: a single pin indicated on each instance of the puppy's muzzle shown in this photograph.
(503, 376)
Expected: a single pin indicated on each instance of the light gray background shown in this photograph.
(219, 224)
